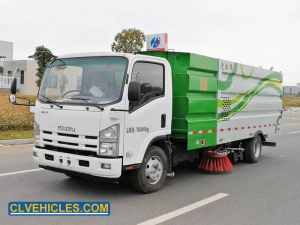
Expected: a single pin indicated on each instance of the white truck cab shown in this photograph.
(85, 122)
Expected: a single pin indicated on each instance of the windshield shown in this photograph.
(96, 79)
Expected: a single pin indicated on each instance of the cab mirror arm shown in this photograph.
(13, 101)
(124, 110)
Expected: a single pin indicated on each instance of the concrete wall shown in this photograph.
(30, 78)
(6, 50)
(5, 90)
(291, 89)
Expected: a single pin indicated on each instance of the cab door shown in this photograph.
(150, 118)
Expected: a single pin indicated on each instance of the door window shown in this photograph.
(151, 78)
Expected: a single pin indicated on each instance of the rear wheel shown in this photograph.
(253, 148)
(151, 176)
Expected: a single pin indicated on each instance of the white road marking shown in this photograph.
(295, 132)
(58, 213)
(11, 145)
(183, 210)
(18, 172)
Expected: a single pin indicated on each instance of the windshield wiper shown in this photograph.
(56, 59)
(53, 102)
(85, 100)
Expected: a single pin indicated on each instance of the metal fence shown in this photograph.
(6, 80)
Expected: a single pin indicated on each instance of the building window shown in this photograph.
(22, 76)
(151, 78)
(9, 73)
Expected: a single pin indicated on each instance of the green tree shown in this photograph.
(1, 69)
(41, 69)
(129, 41)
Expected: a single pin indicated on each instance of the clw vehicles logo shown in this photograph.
(155, 42)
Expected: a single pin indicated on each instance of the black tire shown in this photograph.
(253, 148)
(234, 158)
(145, 184)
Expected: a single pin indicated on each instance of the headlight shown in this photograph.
(36, 127)
(109, 139)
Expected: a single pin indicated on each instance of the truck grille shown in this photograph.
(71, 151)
(70, 141)
(68, 135)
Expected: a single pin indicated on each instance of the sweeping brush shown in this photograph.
(215, 161)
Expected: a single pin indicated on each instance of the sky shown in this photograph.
(258, 32)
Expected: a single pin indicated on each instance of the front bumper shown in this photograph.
(77, 163)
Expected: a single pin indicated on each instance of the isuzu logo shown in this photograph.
(62, 128)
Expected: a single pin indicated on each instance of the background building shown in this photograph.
(294, 90)
(25, 71)
(6, 52)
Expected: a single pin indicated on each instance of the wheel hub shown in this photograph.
(257, 148)
(154, 170)
(241, 156)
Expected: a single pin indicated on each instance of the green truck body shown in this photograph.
(212, 96)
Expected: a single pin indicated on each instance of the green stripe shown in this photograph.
(247, 97)
(245, 77)
(279, 118)
(246, 101)
(233, 101)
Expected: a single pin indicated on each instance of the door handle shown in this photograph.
(163, 120)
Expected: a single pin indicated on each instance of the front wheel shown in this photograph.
(151, 176)
(253, 147)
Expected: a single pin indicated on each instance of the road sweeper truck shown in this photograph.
(105, 115)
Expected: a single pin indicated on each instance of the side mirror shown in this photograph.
(12, 99)
(13, 87)
(134, 91)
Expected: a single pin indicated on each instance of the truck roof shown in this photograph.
(93, 54)
(87, 54)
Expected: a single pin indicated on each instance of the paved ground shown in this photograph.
(264, 193)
